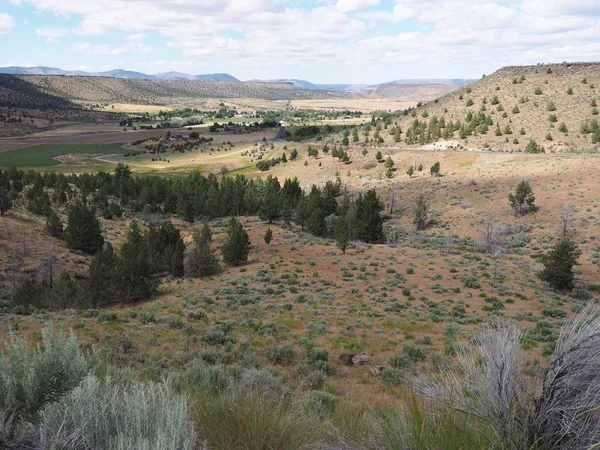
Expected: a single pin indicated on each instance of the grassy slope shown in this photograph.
(533, 116)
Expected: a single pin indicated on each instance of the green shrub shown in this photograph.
(321, 402)
(31, 378)
(281, 354)
(392, 377)
(415, 354)
(199, 375)
(147, 416)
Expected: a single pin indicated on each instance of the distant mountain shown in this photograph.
(117, 73)
(368, 88)
(120, 73)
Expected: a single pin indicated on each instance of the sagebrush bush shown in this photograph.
(138, 416)
(30, 378)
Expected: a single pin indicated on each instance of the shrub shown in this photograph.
(415, 354)
(281, 354)
(200, 375)
(147, 416)
(321, 402)
(31, 378)
(392, 377)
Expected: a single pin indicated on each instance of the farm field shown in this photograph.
(46, 155)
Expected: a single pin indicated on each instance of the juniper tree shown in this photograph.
(341, 233)
(237, 246)
(83, 230)
(5, 201)
(369, 226)
(523, 200)
(100, 281)
(268, 237)
(558, 265)
(134, 272)
(203, 261)
(53, 224)
(435, 170)
(420, 212)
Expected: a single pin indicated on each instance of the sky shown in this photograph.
(323, 41)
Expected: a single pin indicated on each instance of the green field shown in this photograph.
(42, 155)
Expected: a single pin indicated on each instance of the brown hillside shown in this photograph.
(521, 98)
(161, 92)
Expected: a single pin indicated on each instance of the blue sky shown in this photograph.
(324, 41)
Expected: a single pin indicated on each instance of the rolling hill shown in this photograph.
(53, 91)
(117, 73)
(552, 104)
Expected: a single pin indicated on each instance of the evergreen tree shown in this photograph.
(271, 205)
(134, 275)
(558, 265)
(237, 246)
(5, 201)
(100, 282)
(83, 230)
(341, 233)
(202, 261)
(302, 212)
(522, 201)
(410, 171)
(177, 259)
(53, 224)
(379, 156)
(369, 225)
(65, 293)
(268, 237)
(389, 163)
(435, 170)
(420, 213)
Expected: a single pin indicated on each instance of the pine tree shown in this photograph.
(369, 226)
(389, 163)
(237, 246)
(558, 265)
(410, 171)
(53, 224)
(83, 230)
(202, 261)
(379, 156)
(177, 259)
(420, 212)
(5, 201)
(271, 205)
(268, 237)
(100, 282)
(341, 233)
(522, 201)
(134, 275)
(435, 170)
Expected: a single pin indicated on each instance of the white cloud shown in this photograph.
(132, 43)
(355, 5)
(313, 33)
(52, 35)
(7, 23)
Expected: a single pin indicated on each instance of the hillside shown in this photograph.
(553, 104)
(82, 89)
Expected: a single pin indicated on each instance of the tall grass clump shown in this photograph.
(566, 413)
(33, 377)
(101, 415)
(256, 412)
